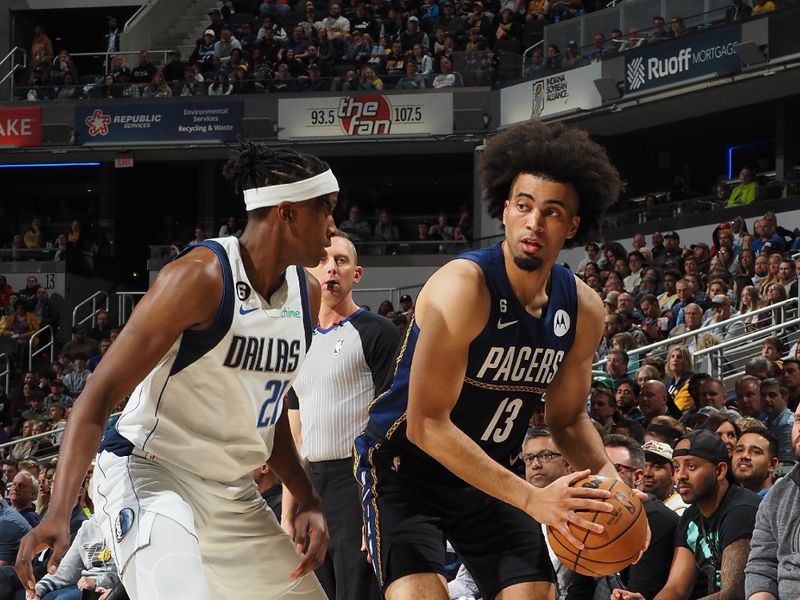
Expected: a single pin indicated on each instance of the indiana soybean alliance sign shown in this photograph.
(365, 115)
(693, 56)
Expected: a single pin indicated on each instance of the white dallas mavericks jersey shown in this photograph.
(211, 403)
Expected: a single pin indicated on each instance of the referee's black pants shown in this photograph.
(345, 574)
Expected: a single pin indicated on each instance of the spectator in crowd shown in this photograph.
(653, 401)
(10, 469)
(87, 565)
(92, 363)
(655, 324)
(659, 30)
(144, 72)
(102, 326)
(157, 88)
(81, 343)
(45, 312)
(335, 24)
(774, 399)
(21, 495)
(754, 460)
(572, 57)
(225, 46)
(748, 397)
(28, 293)
(686, 295)
(616, 365)
(772, 567)
(790, 378)
(57, 414)
(759, 367)
(738, 11)
(712, 393)
(670, 295)
(761, 7)
(385, 229)
(446, 76)
(76, 379)
(20, 327)
(750, 301)
(787, 276)
(658, 475)
(725, 427)
(174, 70)
(12, 527)
(42, 53)
(760, 270)
(767, 240)
(221, 85)
(745, 193)
(356, 227)
(34, 235)
(598, 50)
(679, 369)
(670, 257)
(665, 428)
(6, 291)
(713, 537)
(677, 27)
(720, 313)
(602, 404)
(202, 56)
(57, 394)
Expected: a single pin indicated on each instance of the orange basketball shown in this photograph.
(624, 532)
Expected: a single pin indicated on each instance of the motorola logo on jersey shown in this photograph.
(263, 354)
(524, 364)
(561, 322)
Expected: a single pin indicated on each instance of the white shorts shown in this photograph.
(244, 551)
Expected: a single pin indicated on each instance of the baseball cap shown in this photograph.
(572, 44)
(611, 297)
(707, 411)
(413, 18)
(703, 444)
(209, 32)
(699, 245)
(405, 298)
(604, 383)
(657, 451)
(672, 234)
(720, 300)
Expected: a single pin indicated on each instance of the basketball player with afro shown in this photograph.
(493, 331)
(210, 350)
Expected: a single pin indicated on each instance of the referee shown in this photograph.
(348, 364)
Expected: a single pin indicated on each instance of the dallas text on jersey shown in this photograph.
(263, 354)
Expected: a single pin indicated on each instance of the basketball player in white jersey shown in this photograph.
(213, 346)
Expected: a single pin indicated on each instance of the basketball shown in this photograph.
(624, 531)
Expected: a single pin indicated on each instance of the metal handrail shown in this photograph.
(45, 434)
(14, 66)
(122, 299)
(108, 55)
(718, 349)
(145, 6)
(673, 341)
(6, 372)
(539, 43)
(50, 344)
(93, 299)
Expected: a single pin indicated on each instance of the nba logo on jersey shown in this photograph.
(123, 523)
(338, 348)
(561, 323)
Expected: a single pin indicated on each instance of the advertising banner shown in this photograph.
(551, 95)
(368, 114)
(664, 63)
(21, 126)
(158, 122)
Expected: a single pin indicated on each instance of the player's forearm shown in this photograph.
(458, 453)
(578, 441)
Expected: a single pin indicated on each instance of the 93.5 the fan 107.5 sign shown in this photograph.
(365, 115)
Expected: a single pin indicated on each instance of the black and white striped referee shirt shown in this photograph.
(347, 366)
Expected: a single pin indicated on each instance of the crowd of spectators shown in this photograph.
(36, 241)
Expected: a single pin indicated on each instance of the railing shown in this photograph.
(27, 254)
(11, 56)
(50, 433)
(51, 344)
(107, 56)
(125, 299)
(150, 22)
(94, 299)
(524, 54)
(663, 346)
(6, 372)
(717, 352)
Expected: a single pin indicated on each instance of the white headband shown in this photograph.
(299, 191)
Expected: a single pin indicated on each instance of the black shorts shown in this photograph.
(408, 518)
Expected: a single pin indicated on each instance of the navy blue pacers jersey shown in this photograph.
(510, 365)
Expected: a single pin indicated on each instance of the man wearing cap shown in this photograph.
(657, 479)
(203, 54)
(406, 306)
(349, 362)
(81, 343)
(671, 254)
(754, 460)
(713, 537)
(721, 311)
(773, 568)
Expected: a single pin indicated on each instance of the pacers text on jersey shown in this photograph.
(531, 365)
